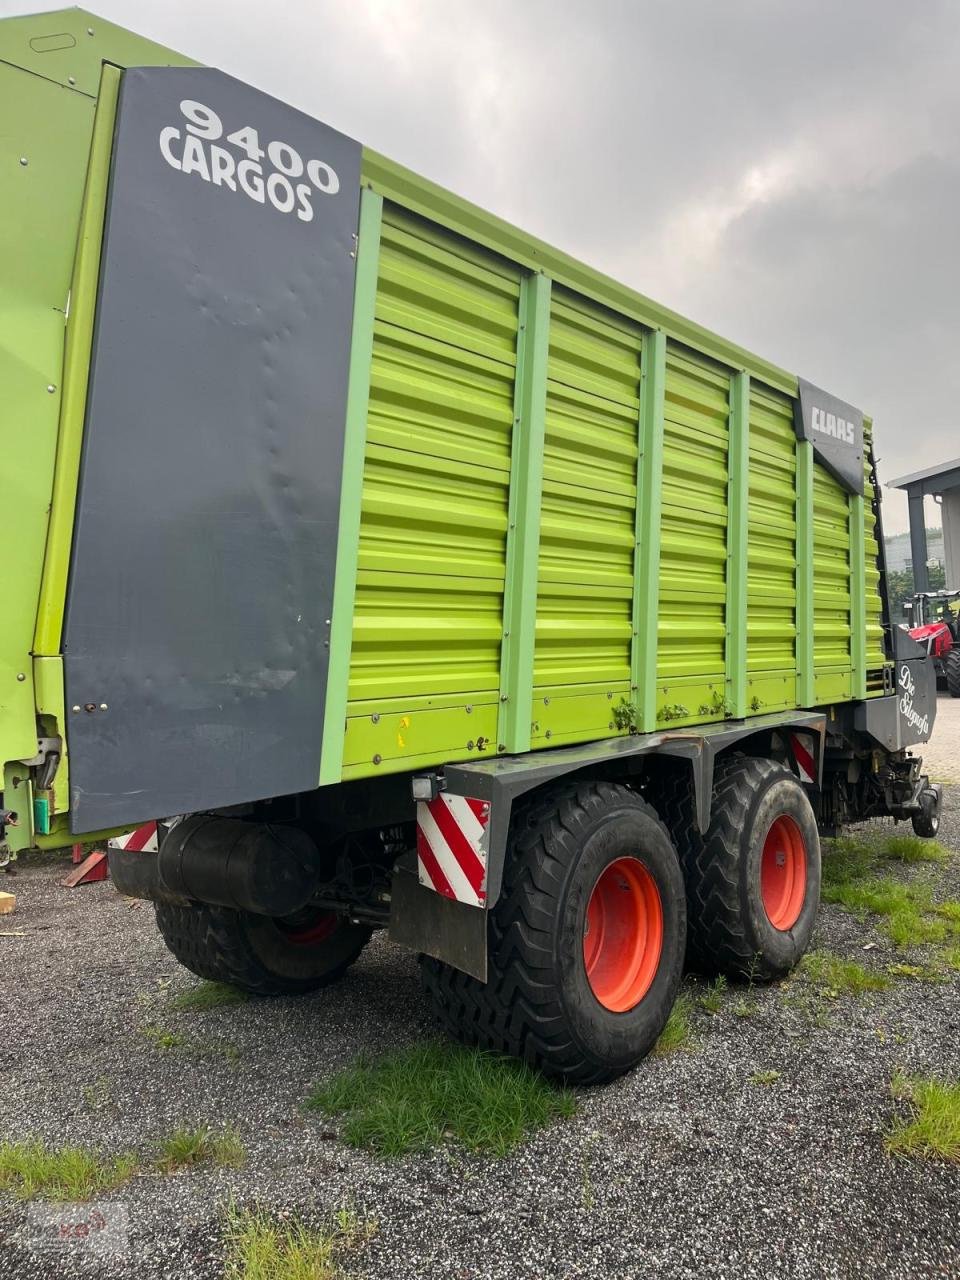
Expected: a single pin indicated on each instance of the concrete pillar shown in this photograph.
(918, 538)
(950, 512)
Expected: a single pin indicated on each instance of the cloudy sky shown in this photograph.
(786, 172)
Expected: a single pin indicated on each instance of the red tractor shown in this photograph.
(937, 628)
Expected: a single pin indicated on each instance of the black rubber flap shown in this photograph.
(203, 560)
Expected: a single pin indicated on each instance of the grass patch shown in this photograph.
(260, 1248)
(677, 1033)
(852, 879)
(713, 997)
(200, 1145)
(918, 972)
(847, 861)
(932, 1130)
(836, 976)
(765, 1077)
(209, 995)
(879, 896)
(913, 849)
(951, 957)
(416, 1098)
(215, 1048)
(908, 928)
(163, 1039)
(66, 1173)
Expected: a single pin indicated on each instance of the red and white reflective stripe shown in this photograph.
(452, 847)
(143, 840)
(803, 756)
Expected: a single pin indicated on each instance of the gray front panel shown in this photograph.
(205, 541)
(835, 429)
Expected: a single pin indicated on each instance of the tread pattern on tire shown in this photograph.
(717, 939)
(212, 943)
(518, 1011)
(951, 668)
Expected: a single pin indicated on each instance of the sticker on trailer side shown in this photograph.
(452, 847)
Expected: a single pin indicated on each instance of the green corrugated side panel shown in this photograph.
(585, 581)
(425, 664)
(443, 207)
(876, 658)
(771, 553)
(832, 605)
(691, 660)
(858, 614)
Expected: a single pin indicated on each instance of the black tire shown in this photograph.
(258, 953)
(951, 668)
(926, 823)
(729, 930)
(538, 1003)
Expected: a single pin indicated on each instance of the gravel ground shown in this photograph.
(684, 1168)
(941, 756)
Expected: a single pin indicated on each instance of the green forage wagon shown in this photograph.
(379, 567)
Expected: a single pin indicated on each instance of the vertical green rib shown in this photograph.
(646, 564)
(805, 682)
(738, 497)
(858, 600)
(354, 449)
(523, 533)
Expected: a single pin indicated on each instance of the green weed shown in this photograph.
(836, 976)
(677, 1033)
(712, 999)
(209, 995)
(909, 916)
(765, 1077)
(199, 1145)
(416, 1098)
(932, 1130)
(261, 1248)
(913, 849)
(67, 1173)
(162, 1038)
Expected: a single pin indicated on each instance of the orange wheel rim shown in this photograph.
(623, 935)
(309, 928)
(783, 873)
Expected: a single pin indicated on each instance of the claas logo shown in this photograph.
(831, 424)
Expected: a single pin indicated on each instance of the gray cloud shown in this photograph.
(785, 173)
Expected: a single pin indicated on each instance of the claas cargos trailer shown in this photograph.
(380, 566)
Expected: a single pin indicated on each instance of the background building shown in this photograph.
(942, 482)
